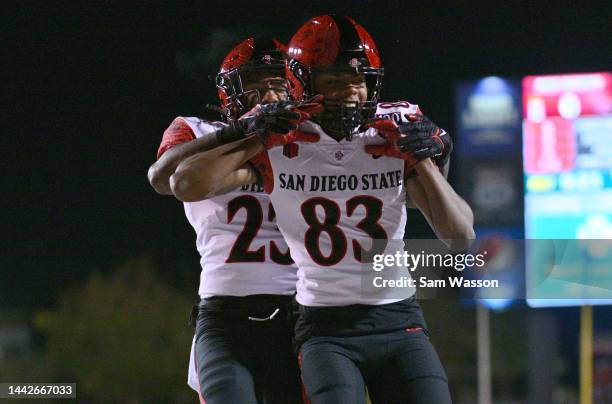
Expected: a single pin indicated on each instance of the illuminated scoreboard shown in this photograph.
(535, 165)
(567, 165)
(567, 156)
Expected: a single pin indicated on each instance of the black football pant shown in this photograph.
(241, 360)
(397, 367)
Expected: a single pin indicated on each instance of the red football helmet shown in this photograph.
(335, 43)
(248, 57)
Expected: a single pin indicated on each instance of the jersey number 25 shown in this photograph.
(241, 251)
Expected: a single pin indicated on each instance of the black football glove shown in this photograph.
(271, 138)
(266, 119)
(276, 117)
(424, 139)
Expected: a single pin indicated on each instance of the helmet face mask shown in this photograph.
(335, 45)
(340, 119)
(249, 70)
(246, 86)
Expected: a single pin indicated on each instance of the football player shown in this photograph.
(242, 347)
(339, 201)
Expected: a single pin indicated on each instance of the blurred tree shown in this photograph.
(122, 337)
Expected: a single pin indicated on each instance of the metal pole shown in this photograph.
(484, 355)
(586, 354)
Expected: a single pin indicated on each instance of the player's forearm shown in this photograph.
(160, 172)
(204, 175)
(451, 216)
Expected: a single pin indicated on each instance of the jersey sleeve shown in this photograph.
(178, 132)
(263, 169)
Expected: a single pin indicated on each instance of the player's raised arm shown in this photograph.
(180, 142)
(426, 148)
(216, 171)
(224, 168)
(449, 215)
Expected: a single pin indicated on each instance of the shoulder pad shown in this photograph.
(201, 126)
(396, 111)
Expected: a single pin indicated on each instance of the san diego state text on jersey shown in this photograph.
(331, 183)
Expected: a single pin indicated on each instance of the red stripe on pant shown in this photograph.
(304, 395)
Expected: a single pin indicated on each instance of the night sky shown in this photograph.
(89, 87)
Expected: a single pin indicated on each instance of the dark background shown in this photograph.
(89, 87)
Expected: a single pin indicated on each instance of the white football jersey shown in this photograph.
(242, 251)
(333, 200)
